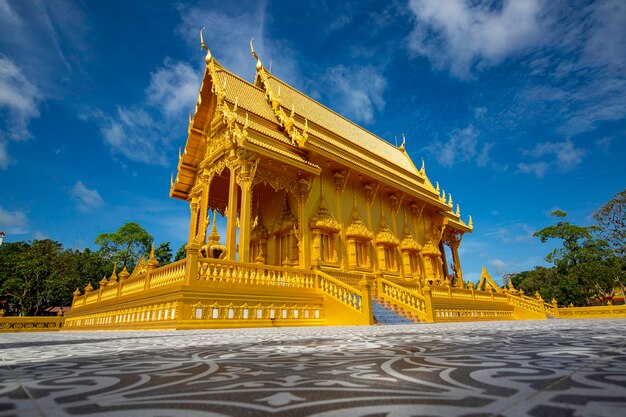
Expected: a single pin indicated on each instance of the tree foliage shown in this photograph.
(126, 245)
(163, 253)
(611, 220)
(585, 267)
(41, 274)
(181, 253)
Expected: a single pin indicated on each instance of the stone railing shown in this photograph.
(340, 291)
(453, 293)
(147, 315)
(527, 303)
(168, 274)
(350, 278)
(231, 272)
(403, 297)
(592, 312)
(231, 311)
(31, 323)
(131, 287)
(472, 314)
(552, 309)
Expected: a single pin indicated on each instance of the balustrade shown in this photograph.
(217, 270)
(168, 274)
(406, 298)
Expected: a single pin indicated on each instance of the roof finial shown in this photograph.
(152, 251)
(259, 65)
(423, 168)
(403, 142)
(203, 46)
(471, 222)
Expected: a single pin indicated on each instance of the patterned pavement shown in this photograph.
(536, 368)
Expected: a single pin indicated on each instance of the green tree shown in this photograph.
(181, 253)
(37, 274)
(126, 245)
(584, 266)
(611, 220)
(163, 253)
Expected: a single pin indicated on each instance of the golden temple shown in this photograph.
(326, 224)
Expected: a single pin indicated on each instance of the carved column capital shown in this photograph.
(304, 188)
(341, 178)
(394, 203)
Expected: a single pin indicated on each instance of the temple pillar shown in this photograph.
(193, 223)
(444, 262)
(244, 177)
(304, 238)
(454, 241)
(231, 215)
(341, 178)
(204, 207)
(245, 220)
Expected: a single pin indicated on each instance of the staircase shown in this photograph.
(386, 313)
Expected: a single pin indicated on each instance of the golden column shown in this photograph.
(204, 207)
(453, 240)
(193, 222)
(246, 168)
(231, 214)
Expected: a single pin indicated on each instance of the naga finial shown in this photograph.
(423, 168)
(403, 142)
(259, 65)
(206, 48)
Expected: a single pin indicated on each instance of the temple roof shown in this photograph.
(327, 119)
(295, 125)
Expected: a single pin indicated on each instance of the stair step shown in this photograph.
(386, 313)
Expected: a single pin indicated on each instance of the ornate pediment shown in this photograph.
(357, 228)
(385, 235)
(140, 268)
(286, 220)
(323, 219)
(409, 243)
(430, 249)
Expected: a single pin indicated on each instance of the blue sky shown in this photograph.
(517, 107)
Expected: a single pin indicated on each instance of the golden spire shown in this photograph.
(152, 251)
(203, 46)
(259, 65)
(214, 236)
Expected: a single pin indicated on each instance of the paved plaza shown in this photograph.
(536, 368)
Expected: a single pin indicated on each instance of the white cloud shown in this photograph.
(462, 145)
(13, 222)
(40, 236)
(85, 198)
(461, 36)
(510, 232)
(173, 88)
(563, 155)
(538, 169)
(228, 37)
(356, 92)
(143, 132)
(19, 103)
